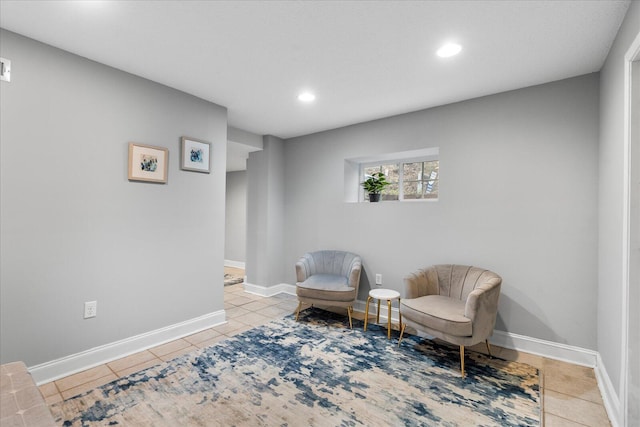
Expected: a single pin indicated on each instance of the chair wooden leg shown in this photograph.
(298, 310)
(401, 333)
(462, 360)
(488, 347)
(349, 310)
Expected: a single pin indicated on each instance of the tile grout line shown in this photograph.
(566, 419)
(112, 371)
(575, 397)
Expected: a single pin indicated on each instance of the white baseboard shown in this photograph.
(549, 349)
(69, 365)
(270, 291)
(360, 306)
(234, 264)
(609, 395)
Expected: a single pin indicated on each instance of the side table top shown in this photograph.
(384, 293)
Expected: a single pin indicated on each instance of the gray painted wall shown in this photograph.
(518, 194)
(245, 138)
(634, 262)
(610, 206)
(265, 214)
(236, 217)
(74, 229)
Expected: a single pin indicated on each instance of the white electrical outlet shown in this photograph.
(5, 70)
(378, 279)
(90, 309)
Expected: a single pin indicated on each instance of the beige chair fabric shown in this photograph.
(328, 278)
(456, 303)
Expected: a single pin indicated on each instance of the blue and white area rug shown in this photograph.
(315, 372)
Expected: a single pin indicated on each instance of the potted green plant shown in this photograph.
(374, 185)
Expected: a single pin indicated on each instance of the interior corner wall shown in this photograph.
(74, 229)
(236, 217)
(265, 214)
(611, 199)
(518, 180)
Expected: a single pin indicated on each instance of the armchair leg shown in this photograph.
(488, 347)
(349, 311)
(462, 360)
(298, 310)
(401, 333)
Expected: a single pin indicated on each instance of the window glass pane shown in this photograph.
(390, 192)
(431, 172)
(430, 168)
(420, 180)
(391, 171)
(412, 190)
(368, 171)
(412, 171)
(431, 190)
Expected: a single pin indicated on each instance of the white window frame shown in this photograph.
(354, 172)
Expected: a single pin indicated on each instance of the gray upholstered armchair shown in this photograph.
(456, 303)
(328, 278)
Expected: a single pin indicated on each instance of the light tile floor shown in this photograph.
(571, 395)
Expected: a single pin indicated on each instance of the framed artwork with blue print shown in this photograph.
(196, 155)
(148, 163)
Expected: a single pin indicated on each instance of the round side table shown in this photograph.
(383, 294)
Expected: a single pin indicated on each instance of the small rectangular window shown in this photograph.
(414, 179)
(412, 175)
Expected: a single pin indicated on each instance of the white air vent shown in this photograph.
(5, 70)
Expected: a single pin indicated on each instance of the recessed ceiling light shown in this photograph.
(449, 49)
(306, 97)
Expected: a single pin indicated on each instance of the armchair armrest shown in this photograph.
(354, 273)
(482, 306)
(303, 269)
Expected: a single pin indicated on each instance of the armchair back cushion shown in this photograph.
(336, 263)
(448, 280)
(328, 275)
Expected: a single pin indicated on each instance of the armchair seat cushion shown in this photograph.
(440, 313)
(318, 285)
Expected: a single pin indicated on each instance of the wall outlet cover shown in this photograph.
(90, 309)
(5, 70)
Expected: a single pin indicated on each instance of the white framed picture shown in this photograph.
(196, 155)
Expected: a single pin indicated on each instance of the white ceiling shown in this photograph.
(364, 60)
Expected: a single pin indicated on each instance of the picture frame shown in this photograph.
(148, 163)
(195, 155)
